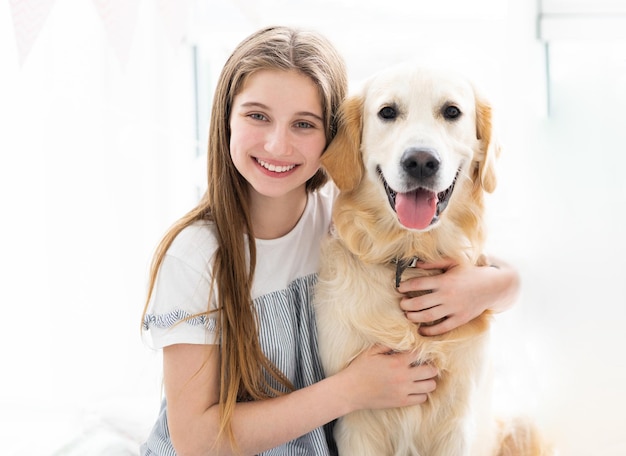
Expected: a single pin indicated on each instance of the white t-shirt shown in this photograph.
(282, 291)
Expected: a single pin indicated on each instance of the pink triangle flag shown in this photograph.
(120, 19)
(174, 15)
(28, 19)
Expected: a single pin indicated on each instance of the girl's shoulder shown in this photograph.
(195, 244)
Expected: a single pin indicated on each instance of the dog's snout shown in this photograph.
(420, 163)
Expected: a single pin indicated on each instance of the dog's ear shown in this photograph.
(489, 148)
(342, 158)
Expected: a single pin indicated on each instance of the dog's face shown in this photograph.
(418, 135)
(414, 134)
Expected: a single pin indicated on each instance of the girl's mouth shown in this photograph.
(275, 168)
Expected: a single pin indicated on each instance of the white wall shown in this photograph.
(96, 153)
(97, 159)
(568, 239)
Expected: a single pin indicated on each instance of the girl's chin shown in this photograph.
(276, 190)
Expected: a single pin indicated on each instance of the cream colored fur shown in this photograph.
(357, 304)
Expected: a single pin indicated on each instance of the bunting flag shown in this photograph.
(28, 19)
(175, 14)
(120, 19)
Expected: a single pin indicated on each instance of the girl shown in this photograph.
(231, 284)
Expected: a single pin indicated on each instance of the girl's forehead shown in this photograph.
(275, 87)
(275, 74)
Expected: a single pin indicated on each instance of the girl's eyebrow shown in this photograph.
(310, 114)
(256, 104)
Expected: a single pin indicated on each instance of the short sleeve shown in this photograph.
(177, 313)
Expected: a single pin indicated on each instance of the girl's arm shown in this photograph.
(375, 379)
(460, 294)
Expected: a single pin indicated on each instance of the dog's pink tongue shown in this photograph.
(416, 209)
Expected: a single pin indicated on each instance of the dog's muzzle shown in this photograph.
(420, 208)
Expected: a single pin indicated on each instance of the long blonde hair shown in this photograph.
(244, 368)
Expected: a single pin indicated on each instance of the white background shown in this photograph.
(98, 157)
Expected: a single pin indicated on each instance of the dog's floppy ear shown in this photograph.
(489, 148)
(342, 159)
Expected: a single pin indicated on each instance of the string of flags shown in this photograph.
(119, 19)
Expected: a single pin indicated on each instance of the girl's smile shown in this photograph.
(275, 168)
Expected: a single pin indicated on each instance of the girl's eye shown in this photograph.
(257, 116)
(304, 125)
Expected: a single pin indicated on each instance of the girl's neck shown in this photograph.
(274, 217)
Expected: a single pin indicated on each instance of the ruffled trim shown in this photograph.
(165, 321)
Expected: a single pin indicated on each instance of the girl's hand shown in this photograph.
(380, 378)
(458, 295)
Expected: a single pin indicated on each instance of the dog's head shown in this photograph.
(417, 135)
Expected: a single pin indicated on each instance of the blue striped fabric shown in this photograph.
(169, 319)
(288, 337)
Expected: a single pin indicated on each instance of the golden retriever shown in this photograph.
(412, 158)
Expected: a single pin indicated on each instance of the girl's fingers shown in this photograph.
(420, 303)
(438, 329)
(418, 284)
(444, 264)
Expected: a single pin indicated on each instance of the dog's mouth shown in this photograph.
(419, 208)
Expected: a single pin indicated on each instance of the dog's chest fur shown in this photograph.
(358, 306)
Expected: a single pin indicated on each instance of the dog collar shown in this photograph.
(401, 265)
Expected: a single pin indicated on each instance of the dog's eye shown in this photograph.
(388, 113)
(451, 112)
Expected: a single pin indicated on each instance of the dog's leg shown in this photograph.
(352, 441)
(362, 433)
(457, 418)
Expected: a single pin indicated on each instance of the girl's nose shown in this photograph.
(278, 142)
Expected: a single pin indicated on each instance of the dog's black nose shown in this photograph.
(420, 163)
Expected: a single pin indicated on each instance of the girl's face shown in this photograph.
(277, 131)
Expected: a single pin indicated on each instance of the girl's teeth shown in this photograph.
(274, 168)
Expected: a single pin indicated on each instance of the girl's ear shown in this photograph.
(489, 149)
(342, 158)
